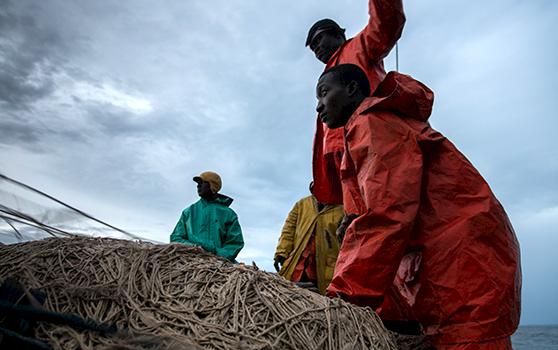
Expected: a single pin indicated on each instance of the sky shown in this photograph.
(114, 106)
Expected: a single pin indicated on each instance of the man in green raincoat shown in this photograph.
(210, 223)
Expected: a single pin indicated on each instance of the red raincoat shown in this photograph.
(367, 50)
(414, 191)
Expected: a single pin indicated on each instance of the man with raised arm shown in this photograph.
(367, 50)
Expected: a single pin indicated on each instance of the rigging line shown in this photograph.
(22, 216)
(47, 228)
(17, 233)
(397, 56)
(17, 213)
(2, 176)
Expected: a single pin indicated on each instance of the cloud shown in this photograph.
(17, 131)
(108, 94)
(30, 57)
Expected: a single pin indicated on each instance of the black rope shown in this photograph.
(20, 340)
(42, 315)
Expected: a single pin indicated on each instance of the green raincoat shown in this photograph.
(211, 225)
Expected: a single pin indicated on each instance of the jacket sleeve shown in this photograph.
(233, 242)
(327, 154)
(180, 232)
(385, 25)
(350, 188)
(388, 166)
(286, 240)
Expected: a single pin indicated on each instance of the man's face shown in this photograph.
(334, 101)
(204, 190)
(324, 44)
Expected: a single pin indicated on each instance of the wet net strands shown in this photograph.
(183, 297)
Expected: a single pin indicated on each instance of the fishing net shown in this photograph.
(179, 297)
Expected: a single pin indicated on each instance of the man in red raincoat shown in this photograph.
(413, 190)
(367, 50)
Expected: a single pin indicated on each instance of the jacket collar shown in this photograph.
(334, 59)
(401, 94)
(219, 199)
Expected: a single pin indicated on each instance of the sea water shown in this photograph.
(536, 338)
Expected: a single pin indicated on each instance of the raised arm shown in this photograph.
(384, 28)
(388, 167)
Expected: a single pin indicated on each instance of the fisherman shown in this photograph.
(367, 50)
(412, 188)
(209, 223)
(308, 248)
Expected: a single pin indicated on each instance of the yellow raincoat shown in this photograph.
(303, 221)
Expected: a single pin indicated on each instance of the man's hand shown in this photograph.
(347, 219)
(278, 262)
(308, 286)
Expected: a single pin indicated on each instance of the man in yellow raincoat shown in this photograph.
(308, 246)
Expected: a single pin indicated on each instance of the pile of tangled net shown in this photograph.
(179, 297)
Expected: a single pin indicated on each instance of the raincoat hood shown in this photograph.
(403, 95)
(222, 199)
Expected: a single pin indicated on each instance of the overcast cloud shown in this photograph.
(114, 106)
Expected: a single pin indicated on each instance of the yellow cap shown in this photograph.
(213, 178)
